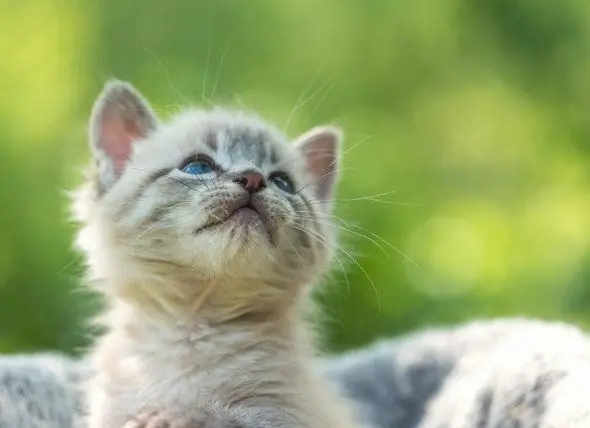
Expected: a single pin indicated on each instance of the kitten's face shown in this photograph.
(215, 194)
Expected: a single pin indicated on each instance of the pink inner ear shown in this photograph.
(320, 148)
(322, 164)
(117, 136)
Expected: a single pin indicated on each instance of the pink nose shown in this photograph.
(251, 181)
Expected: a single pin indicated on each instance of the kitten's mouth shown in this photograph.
(242, 212)
(246, 213)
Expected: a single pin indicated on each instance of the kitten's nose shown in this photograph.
(251, 181)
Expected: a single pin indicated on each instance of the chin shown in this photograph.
(234, 248)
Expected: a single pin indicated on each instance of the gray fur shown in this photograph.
(486, 374)
(39, 391)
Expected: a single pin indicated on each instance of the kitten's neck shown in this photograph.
(197, 347)
(169, 314)
(177, 296)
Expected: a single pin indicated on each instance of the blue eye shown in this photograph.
(198, 167)
(283, 182)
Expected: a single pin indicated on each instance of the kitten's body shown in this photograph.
(205, 235)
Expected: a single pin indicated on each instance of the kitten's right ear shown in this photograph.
(120, 117)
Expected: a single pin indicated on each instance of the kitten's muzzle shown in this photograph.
(228, 208)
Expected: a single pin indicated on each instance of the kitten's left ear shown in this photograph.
(321, 148)
(120, 117)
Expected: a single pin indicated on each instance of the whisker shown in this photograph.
(347, 254)
(321, 100)
(289, 159)
(239, 101)
(393, 247)
(68, 264)
(355, 145)
(327, 222)
(336, 171)
(204, 89)
(314, 94)
(364, 272)
(298, 101)
(291, 244)
(174, 91)
(384, 241)
(357, 234)
(322, 241)
(372, 198)
(218, 70)
(143, 232)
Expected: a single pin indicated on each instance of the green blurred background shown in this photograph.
(467, 126)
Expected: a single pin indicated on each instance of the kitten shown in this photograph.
(205, 234)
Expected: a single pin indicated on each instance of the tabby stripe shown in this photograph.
(151, 178)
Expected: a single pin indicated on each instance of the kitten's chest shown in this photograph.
(172, 382)
(180, 375)
(189, 379)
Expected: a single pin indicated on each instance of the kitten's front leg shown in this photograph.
(200, 419)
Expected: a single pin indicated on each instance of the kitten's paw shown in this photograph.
(202, 419)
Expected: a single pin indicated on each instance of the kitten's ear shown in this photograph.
(321, 148)
(120, 117)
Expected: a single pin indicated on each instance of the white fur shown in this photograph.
(209, 320)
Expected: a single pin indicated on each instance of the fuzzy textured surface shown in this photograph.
(486, 374)
(40, 391)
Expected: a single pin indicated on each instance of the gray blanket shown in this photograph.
(488, 374)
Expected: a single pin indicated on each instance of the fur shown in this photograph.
(492, 374)
(206, 309)
(41, 391)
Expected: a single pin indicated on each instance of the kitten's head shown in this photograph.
(210, 202)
